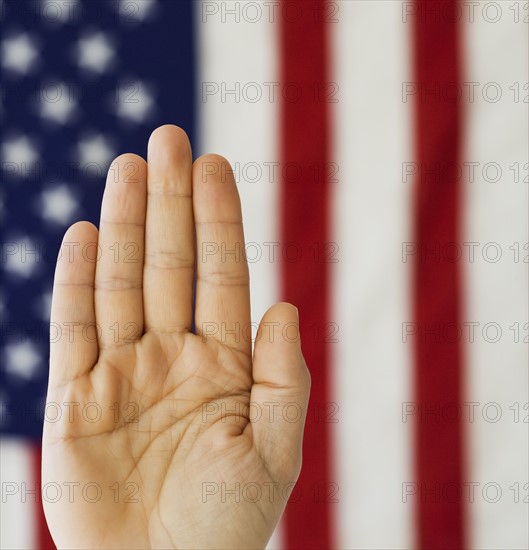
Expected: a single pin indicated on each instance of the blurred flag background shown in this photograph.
(381, 152)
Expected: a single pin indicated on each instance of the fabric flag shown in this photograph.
(381, 154)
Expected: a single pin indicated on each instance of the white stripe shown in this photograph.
(243, 54)
(17, 507)
(372, 207)
(496, 212)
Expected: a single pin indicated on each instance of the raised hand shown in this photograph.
(162, 430)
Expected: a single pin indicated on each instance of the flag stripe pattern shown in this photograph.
(371, 367)
(437, 292)
(496, 293)
(304, 240)
(42, 532)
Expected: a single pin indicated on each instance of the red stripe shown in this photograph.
(437, 281)
(42, 536)
(304, 220)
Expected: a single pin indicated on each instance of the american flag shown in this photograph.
(381, 152)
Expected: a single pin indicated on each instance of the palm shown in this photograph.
(156, 445)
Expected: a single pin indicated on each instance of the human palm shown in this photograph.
(162, 429)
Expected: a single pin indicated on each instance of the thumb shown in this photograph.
(280, 392)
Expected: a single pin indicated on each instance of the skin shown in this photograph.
(148, 420)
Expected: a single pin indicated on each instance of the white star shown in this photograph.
(136, 11)
(19, 154)
(135, 102)
(59, 11)
(19, 53)
(57, 102)
(95, 53)
(95, 150)
(58, 204)
(22, 359)
(21, 256)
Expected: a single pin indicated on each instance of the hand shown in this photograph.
(162, 430)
